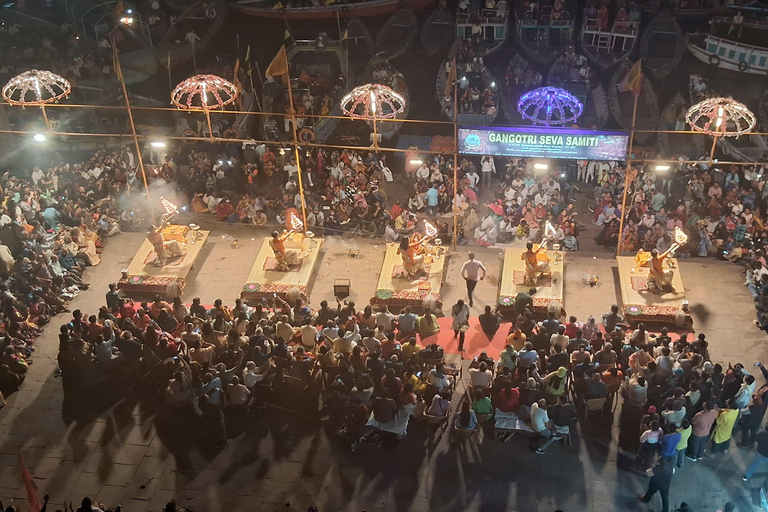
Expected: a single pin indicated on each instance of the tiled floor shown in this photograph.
(125, 449)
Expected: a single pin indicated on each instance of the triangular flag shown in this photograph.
(633, 82)
(29, 484)
(279, 66)
(248, 54)
(345, 36)
(287, 35)
(448, 91)
(278, 5)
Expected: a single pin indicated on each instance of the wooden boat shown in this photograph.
(381, 71)
(304, 9)
(519, 78)
(749, 148)
(493, 22)
(571, 71)
(662, 45)
(397, 34)
(609, 39)
(622, 104)
(745, 51)
(673, 118)
(438, 31)
(323, 77)
(469, 76)
(359, 41)
(543, 37)
(204, 18)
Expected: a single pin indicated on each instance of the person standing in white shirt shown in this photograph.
(488, 167)
(472, 271)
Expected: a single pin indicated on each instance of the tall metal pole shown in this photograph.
(455, 154)
(292, 112)
(628, 176)
(119, 72)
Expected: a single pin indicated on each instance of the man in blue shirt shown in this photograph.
(431, 197)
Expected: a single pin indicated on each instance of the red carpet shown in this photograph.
(475, 339)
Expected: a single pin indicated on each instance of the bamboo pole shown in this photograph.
(712, 152)
(45, 117)
(455, 157)
(119, 72)
(292, 112)
(628, 176)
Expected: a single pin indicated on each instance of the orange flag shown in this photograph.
(29, 483)
(279, 66)
(633, 82)
(448, 91)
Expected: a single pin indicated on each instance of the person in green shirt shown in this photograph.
(482, 403)
(523, 300)
(427, 325)
(685, 434)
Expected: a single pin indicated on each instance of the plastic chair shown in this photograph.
(593, 404)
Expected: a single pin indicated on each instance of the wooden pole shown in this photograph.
(712, 152)
(45, 116)
(210, 127)
(292, 112)
(628, 176)
(455, 156)
(119, 72)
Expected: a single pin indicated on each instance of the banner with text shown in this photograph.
(544, 143)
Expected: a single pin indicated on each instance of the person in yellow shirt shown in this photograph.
(410, 349)
(428, 325)
(721, 439)
(685, 434)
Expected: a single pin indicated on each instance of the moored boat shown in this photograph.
(520, 77)
(318, 81)
(672, 118)
(381, 71)
(609, 35)
(477, 93)
(662, 45)
(439, 30)
(397, 34)
(485, 26)
(194, 29)
(305, 9)
(622, 104)
(571, 71)
(359, 41)
(737, 48)
(544, 31)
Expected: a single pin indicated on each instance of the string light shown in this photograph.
(721, 117)
(36, 87)
(371, 101)
(550, 106)
(193, 93)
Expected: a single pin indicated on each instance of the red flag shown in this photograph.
(29, 483)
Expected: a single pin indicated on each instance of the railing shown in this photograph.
(487, 17)
(745, 23)
(731, 42)
(592, 25)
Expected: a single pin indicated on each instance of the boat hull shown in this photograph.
(720, 62)
(353, 10)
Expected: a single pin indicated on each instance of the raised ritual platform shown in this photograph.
(396, 291)
(144, 277)
(264, 281)
(639, 303)
(513, 280)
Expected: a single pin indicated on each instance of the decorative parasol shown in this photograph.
(36, 87)
(372, 102)
(204, 93)
(720, 117)
(549, 106)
